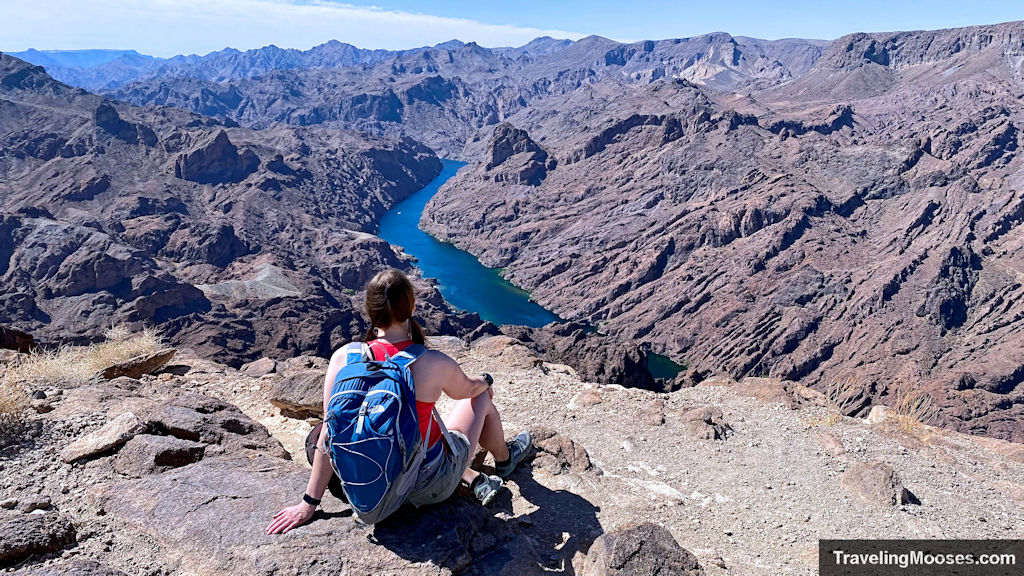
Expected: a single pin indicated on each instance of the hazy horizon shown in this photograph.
(197, 27)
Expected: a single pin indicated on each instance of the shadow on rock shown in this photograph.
(467, 538)
(563, 524)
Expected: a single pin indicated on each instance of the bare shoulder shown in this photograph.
(430, 371)
(434, 361)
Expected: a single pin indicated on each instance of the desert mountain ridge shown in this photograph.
(796, 209)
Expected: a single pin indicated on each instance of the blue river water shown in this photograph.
(464, 282)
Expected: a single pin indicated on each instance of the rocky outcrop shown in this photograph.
(107, 118)
(300, 395)
(596, 357)
(215, 160)
(200, 418)
(234, 258)
(521, 160)
(12, 339)
(605, 492)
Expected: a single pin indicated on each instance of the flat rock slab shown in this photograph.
(24, 535)
(641, 550)
(211, 518)
(140, 365)
(300, 395)
(111, 435)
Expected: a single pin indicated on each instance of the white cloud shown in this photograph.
(169, 27)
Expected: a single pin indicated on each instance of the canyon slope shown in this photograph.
(862, 219)
(807, 210)
(235, 242)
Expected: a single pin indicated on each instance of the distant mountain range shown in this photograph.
(105, 70)
(795, 208)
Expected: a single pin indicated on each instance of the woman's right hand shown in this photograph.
(291, 517)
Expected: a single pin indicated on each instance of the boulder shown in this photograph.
(201, 418)
(260, 367)
(148, 454)
(300, 395)
(111, 435)
(706, 423)
(639, 550)
(559, 454)
(24, 535)
(875, 483)
(139, 366)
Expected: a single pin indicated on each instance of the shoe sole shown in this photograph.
(489, 498)
(491, 495)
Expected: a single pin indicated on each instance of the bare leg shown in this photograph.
(479, 420)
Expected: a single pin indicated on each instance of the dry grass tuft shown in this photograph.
(76, 365)
(13, 403)
(841, 394)
(913, 408)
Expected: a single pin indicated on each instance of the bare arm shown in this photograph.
(320, 476)
(454, 382)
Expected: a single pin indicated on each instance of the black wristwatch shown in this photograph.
(489, 379)
(310, 500)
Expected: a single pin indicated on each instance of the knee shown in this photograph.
(482, 403)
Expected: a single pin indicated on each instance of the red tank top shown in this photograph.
(424, 410)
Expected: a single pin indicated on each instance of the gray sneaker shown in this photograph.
(487, 489)
(518, 448)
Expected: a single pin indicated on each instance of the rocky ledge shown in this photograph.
(180, 472)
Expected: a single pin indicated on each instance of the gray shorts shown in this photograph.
(442, 482)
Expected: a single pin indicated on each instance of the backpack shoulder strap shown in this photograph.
(357, 352)
(409, 355)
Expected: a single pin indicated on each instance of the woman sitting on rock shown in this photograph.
(390, 302)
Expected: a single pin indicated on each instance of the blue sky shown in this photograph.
(168, 27)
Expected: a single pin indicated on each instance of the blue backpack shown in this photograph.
(373, 435)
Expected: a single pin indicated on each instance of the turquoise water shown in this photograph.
(662, 366)
(464, 282)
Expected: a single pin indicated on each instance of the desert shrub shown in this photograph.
(913, 407)
(76, 365)
(13, 403)
(841, 394)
